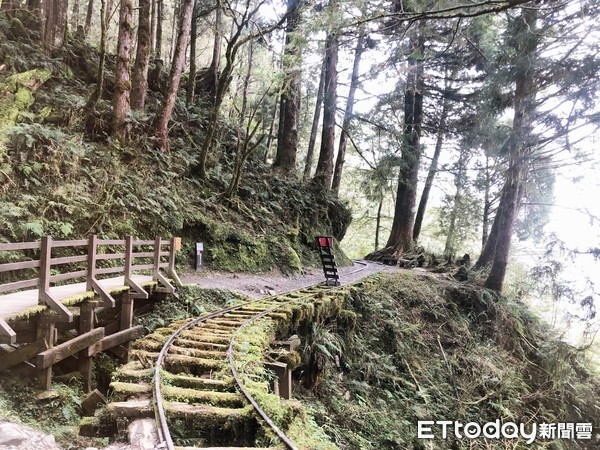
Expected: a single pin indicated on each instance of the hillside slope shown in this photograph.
(62, 174)
(426, 349)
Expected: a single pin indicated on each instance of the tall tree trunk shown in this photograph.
(142, 57)
(159, 23)
(324, 171)
(242, 153)
(153, 28)
(400, 239)
(172, 41)
(289, 109)
(341, 156)
(122, 74)
(434, 161)
(54, 24)
(315, 124)
(191, 87)
(378, 222)
(486, 205)
(7, 6)
(74, 15)
(162, 120)
(271, 130)
(35, 8)
(520, 148)
(88, 17)
(102, 57)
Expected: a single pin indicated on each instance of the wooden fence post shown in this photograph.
(45, 257)
(157, 243)
(86, 324)
(46, 330)
(175, 246)
(91, 261)
(128, 258)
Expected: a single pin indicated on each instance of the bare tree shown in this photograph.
(166, 110)
(339, 163)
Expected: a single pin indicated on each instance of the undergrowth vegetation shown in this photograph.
(427, 349)
(61, 173)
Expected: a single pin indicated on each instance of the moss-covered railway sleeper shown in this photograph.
(202, 390)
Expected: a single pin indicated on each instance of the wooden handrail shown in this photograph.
(162, 256)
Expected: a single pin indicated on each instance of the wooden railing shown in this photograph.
(98, 260)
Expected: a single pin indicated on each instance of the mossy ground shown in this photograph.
(425, 349)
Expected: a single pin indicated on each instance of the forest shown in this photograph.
(455, 136)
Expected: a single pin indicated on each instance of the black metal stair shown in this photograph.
(325, 246)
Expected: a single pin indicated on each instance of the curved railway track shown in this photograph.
(195, 362)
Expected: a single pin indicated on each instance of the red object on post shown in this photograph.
(325, 241)
(325, 246)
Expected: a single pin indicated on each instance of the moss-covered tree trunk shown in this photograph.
(324, 171)
(289, 109)
(122, 74)
(341, 156)
(142, 57)
(166, 110)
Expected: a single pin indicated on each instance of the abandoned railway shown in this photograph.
(190, 376)
(198, 379)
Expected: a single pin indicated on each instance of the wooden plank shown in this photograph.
(68, 259)
(142, 242)
(105, 296)
(106, 256)
(143, 267)
(143, 255)
(68, 275)
(19, 265)
(66, 349)
(167, 286)
(19, 246)
(56, 306)
(7, 334)
(111, 241)
(139, 292)
(106, 270)
(71, 243)
(115, 339)
(23, 353)
(19, 285)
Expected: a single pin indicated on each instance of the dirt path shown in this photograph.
(273, 283)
